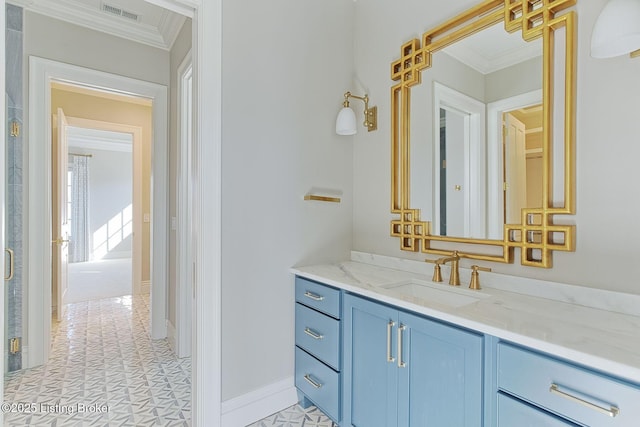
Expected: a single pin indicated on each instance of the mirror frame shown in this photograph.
(536, 236)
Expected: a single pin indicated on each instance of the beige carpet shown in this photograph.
(99, 279)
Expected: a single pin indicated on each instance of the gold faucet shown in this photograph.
(454, 279)
(475, 277)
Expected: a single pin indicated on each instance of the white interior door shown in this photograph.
(60, 250)
(456, 188)
(515, 169)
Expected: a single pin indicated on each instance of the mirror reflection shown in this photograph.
(476, 135)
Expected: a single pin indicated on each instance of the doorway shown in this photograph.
(105, 134)
(100, 213)
(45, 72)
(207, 39)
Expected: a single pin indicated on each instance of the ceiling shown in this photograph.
(493, 49)
(136, 20)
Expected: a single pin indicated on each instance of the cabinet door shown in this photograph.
(370, 369)
(440, 374)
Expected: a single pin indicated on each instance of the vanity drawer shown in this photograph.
(318, 296)
(576, 393)
(512, 412)
(319, 335)
(319, 383)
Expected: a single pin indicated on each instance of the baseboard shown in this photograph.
(256, 405)
(145, 286)
(171, 337)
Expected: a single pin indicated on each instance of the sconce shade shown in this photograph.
(346, 122)
(617, 29)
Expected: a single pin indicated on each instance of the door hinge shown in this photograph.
(14, 345)
(15, 129)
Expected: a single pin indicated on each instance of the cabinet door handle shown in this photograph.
(310, 380)
(390, 326)
(313, 334)
(612, 411)
(401, 363)
(313, 296)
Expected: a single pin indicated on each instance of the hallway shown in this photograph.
(104, 370)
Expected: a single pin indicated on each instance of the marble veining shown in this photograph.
(580, 295)
(544, 319)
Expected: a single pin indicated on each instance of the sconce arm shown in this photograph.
(364, 98)
(370, 114)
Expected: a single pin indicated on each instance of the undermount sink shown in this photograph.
(438, 293)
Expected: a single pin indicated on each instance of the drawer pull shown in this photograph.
(314, 383)
(401, 363)
(313, 334)
(612, 411)
(313, 296)
(390, 326)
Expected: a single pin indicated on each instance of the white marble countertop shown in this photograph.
(605, 336)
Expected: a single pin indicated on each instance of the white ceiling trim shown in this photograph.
(96, 139)
(485, 65)
(76, 13)
(185, 7)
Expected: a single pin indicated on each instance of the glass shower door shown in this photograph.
(13, 226)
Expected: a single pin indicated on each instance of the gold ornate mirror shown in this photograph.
(483, 127)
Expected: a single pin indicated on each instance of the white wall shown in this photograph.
(180, 48)
(286, 65)
(110, 204)
(608, 103)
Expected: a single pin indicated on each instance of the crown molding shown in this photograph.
(96, 139)
(484, 65)
(73, 12)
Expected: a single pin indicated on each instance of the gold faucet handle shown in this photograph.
(437, 272)
(475, 276)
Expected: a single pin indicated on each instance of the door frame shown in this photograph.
(41, 73)
(495, 162)
(184, 269)
(474, 155)
(136, 134)
(207, 110)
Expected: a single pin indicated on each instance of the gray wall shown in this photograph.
(60, 41)
(286, 65)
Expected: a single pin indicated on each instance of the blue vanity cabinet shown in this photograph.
(370, 372)
(318, 337)
(513, 412)
(559, 390)
(406, 370)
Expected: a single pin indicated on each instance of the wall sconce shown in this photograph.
(617, 30)
(346, 121)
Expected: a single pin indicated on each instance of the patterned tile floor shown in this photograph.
(296, 417)
(104, 370)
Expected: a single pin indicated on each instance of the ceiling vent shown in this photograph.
(118, 11)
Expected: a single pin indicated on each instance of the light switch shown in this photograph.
(147, 217)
